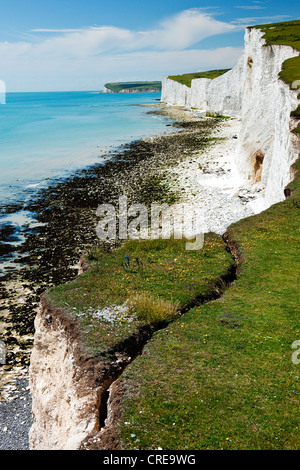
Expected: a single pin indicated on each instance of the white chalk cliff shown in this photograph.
(253, 92)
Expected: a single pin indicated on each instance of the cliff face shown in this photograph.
(174, 93)
(223, 95)
(64, 385)
(253, 92)
(266, 146)
(107, 90)
(75, 395)
(72, 391)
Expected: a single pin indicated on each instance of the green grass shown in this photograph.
(285, 33)
(153, 310)
(186, 78)
(222, 376)
(169, 279)
(117, 87)
(288, 34)
(217, 116)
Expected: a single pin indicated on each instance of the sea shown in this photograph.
(49, 135)
(45, 137)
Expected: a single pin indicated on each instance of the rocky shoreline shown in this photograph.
(193, 163)
(15, 418)
(66, 222)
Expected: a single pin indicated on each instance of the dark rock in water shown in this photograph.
(9, 232)
(12, 207)
(5, 248)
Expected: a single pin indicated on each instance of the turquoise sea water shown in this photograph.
(49, 135)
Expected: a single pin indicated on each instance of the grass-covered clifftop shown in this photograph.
(287, 34)
(162, 279)
(186, 78)
(138, 86)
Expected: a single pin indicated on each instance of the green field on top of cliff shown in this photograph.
(186, 78)
(226, 375)
(286, 33)
(119, 86)
(159, 279)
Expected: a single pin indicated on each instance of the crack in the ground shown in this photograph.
(109, 403)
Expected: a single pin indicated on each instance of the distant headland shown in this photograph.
(132, 87)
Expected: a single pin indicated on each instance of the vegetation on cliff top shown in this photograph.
(119, 86)
(285, 33)
(186, 78)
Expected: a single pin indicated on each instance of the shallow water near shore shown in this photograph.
(46, 137)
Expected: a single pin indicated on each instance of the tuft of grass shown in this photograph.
(296, 113)
(153, 310)
(217, 116)
(186, 78)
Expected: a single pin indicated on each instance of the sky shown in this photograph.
(79, 45)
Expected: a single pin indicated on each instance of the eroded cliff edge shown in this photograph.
(70, 388)
(76, 391)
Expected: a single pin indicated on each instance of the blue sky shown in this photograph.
(80, 45)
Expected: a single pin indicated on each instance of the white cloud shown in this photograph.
(251, 7)
(188, 28)
(260, 20)
(45, 30)
(178, 32)
(62, 59)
